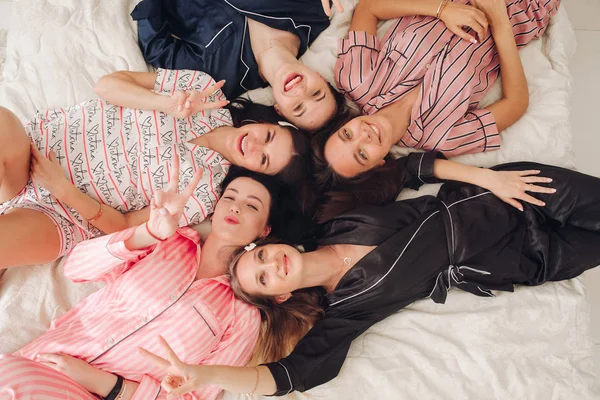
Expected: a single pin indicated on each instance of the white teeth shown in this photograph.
(293, 82)
(244, 145)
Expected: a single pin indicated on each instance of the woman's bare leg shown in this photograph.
(14, 156)
(27, 237)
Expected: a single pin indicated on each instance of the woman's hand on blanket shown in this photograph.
(180, 377)
(511, 186)
(47, 172)
(182, 104)
(167, 205)
(458, 16)
(327, 6)
(91, 378)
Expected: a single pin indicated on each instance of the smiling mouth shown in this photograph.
(376, 131)
(291, 81)
(242, 141)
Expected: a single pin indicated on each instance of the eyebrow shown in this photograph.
(256, 198)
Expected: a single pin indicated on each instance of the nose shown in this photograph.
(234, 208)
(254, 145)
(366, 133)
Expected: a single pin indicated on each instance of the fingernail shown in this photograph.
(549, 179)
(179, 107)
(553, 190)
(542, 204)
(472, 40)
(163, 211)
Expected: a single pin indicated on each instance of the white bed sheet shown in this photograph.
(533, 344)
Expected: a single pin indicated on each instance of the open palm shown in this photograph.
(168, 205)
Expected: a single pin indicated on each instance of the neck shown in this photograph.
(217, 140)
(216, 254)
(273, 58)
(314, 272)
(398, 115)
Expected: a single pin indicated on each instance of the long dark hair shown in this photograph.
(284, 324)
(286, 217)
(244, 112)
(338, 194)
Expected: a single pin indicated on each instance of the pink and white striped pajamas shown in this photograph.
(147, 293)
(119, 156)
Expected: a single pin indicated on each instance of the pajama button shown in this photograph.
(173, 296)
(110, 341)
(428, 65)
(144, 320)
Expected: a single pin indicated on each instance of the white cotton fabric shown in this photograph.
(532, 344)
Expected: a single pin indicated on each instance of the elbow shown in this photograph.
(101, 86)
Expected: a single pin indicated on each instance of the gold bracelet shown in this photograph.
(98, 214)
(256, 384)
(123, 390)
(437, 13)
(444, 4)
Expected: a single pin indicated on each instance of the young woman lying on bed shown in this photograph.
(159, 280)
(248, 43)
(107, 156)
(381, 259)
(421, 84)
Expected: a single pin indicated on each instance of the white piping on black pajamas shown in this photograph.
(391, 268)
(288, 375)
(241, 54)
(451, 226)
(419, 170)
(218, 33)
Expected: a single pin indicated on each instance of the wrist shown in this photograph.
(483, 177)
(64, 191)
(104, 383)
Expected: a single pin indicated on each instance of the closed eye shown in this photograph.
(263, 160)
(252, 206)
(317, 93)
(268, 139)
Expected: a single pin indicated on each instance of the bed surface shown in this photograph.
(531, 344)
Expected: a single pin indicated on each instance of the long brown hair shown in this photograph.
(284, 324)
(338, 194)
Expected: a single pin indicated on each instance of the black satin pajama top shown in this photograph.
(466, 238)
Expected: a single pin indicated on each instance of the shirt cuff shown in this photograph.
(282, 378)
(358, 38)
(489, 129)
(116, 246)
(149, 388)
(420, 165)
(147, 9)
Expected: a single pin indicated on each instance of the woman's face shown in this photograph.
(271, 270)
(359, 146)
(303, 97)
(241, 214)
(264, 148)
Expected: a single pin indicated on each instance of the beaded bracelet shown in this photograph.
(98, 214)
(256, 384)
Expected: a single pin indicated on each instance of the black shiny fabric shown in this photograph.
(212, 35)
(466, 238)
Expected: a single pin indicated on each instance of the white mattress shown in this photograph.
(532, 344)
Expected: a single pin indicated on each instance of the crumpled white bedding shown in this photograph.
(532, 344)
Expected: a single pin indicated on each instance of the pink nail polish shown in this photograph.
(473, 41)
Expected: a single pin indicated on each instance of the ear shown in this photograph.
(277, 110)
(282, 298)
(381, 163)
(265, 232)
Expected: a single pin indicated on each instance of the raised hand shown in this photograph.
(180, 377)
(511, 186)
(456, 16)
(494, 10)
(167, 205)
(182, 104)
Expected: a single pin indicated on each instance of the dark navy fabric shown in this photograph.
(212, 35)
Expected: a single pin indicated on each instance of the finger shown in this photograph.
(326, 7)
(159, 199)
(174, 177)
(189, 189)
(462, 34)
(171, 356)
(532, 200)
(338, 6)
(49, 365)
(34, 151)
(514, 203)
(181, 390)
(528, 172)
(52, 156)
(536, 179)
(49, 357)
(192, 96)
(157, 360)
(477, 27)
(540, 189)
(482, 20)
(212, 89)
(215, 105)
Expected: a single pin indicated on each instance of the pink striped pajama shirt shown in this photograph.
(147, 293)
(120, 155)
(452, 76)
